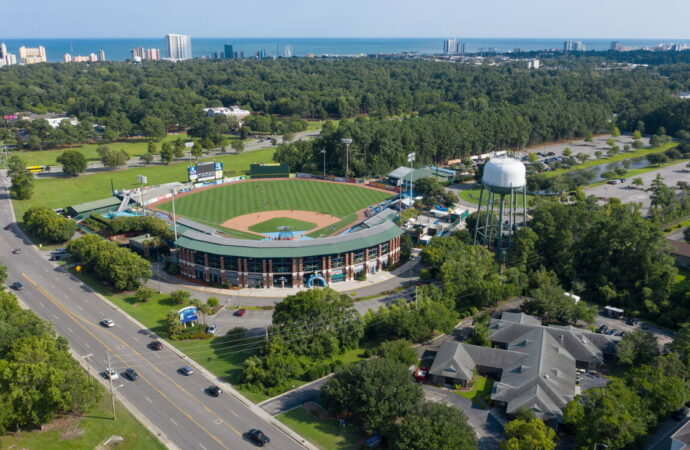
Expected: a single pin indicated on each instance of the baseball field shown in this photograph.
(245, 209)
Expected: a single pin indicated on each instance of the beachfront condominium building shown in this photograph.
(6, 58)
(153, 54)
(450, 46)
(32, 55)
(179, 46)
(101, 55)
(228, 51)
(573, 46)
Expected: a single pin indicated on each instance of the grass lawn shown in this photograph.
(615, 158)
(274, 225)
(480, 393)
(87, 432)
(59, 192)
(135, 147)
(215, 206)
(322, 431)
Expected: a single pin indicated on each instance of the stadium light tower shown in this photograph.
(347, 142)
(323, 152)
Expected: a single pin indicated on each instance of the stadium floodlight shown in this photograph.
(347, 142)
(323, 152)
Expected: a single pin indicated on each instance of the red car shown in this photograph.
(240, 312)
(420, 374)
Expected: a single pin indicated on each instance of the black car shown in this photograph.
(131, 374)
(214, 391)
(681, 414)
(17, 286)
(632, 321)
(156, 345)
(258, 437)
(16, 251)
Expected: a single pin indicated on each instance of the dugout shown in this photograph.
(274, 170)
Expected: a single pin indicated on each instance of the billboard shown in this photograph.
(187, 314)
(10, 117)
(205, 171)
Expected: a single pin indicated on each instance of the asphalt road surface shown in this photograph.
(175, 405)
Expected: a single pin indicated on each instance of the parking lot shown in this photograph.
(663, 336)
(588, 148)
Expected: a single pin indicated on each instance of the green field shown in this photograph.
(274, 225)
(323, 432)
(215, 206)
(58, 192)
(135, 147)
(87, 432)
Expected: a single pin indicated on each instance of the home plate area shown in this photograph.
(281, 224)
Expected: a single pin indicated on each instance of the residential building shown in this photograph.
(138, 54)
(461, 48)
(573, 46)
(535, 366)
(153, 54)
(231, 111)
(228, 52)
(533, 63)
(32, 55)
(261, 54)
(616, 46)
(179, 46)
(6, 58)
(91, 57)
(54, 120)
(101, 55)
(450, 46)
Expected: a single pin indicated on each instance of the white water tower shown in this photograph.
(502, 204)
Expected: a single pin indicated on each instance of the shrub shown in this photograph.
(144, 294)
(213, 302)
(180, 297)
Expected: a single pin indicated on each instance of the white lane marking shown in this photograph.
(234, 414)
(174, 423)
(70, 330)
(80, 308)
(202, 446)
(148, 399)
(87, 345)
(135, 338)
(56, 317)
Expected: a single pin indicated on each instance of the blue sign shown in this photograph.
(187, 314)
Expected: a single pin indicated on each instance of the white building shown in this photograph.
(56, 121)
(179, 46)
(450, 46)
(573, 46)
(32, 55)
(232, 111)
(6, 58)
(533, 63)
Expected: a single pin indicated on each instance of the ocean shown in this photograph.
(120, 49)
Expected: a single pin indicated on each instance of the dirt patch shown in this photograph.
(242, 223)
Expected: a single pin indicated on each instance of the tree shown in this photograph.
(144, 294)
(637, 144)
(112, 158)
(567, 151)
(288, 137)
(167, 153)
(374, 392)
(272, 369)
(197, 150)
(179, 149)
(588, 136)
(615, 131)
(238, 146)
(432, 426)
(528, 435)
(637, 348)
(180, 297)
(637, 181)
(208, 144)
(662, 392)
(213, 302)
(582, 157)
(48, 226)
(73, 162)
(175, 328)
(681, 342)
(598, 154)
(22, 187)
(397, 350)
(151, 148)
(146, 158)
(153, 127)
(636, 134)
(318, 311)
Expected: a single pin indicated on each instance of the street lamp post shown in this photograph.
(347, 143)
(323, 152)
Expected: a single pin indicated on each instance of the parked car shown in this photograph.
(16, 251)
(17, 286)
(108, 323)
(240, 312)
(212, 329)
(131, 374)
(214, 391)
(612, 332)
(258, 437)
(8, 227)
(632, 321)
(59, 251)
(156, 345)
(681, 414)
(111, 374)
(186, 370)
(602, 329)
(420, 374)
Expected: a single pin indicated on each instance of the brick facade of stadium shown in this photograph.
(295, 271)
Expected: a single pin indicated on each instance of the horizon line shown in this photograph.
(355, 37)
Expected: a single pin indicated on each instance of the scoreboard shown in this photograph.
(205, 171)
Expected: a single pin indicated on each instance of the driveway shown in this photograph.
(310, 392)
(488, 429)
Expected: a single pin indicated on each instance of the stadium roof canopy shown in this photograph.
(246, 248)
(92, 206)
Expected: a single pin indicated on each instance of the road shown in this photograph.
(175, 407)
(95, 167)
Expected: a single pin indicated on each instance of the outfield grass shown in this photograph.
(87, 432)
(215, 206)
(58, 192)
(135, 147)
(323, 432)
(275, 225)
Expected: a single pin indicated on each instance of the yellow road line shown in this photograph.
(76, 318)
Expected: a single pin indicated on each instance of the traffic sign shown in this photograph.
(187, 314)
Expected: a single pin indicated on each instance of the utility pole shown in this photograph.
(347, 143)
(112, 392)
(323, 152)
(143, 180)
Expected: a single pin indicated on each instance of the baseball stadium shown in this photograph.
(283, 232)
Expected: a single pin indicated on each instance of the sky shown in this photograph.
(585, 19)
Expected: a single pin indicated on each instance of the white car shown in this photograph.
(212, 329)
(59, 251)
(111, 374)
(108, 323)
